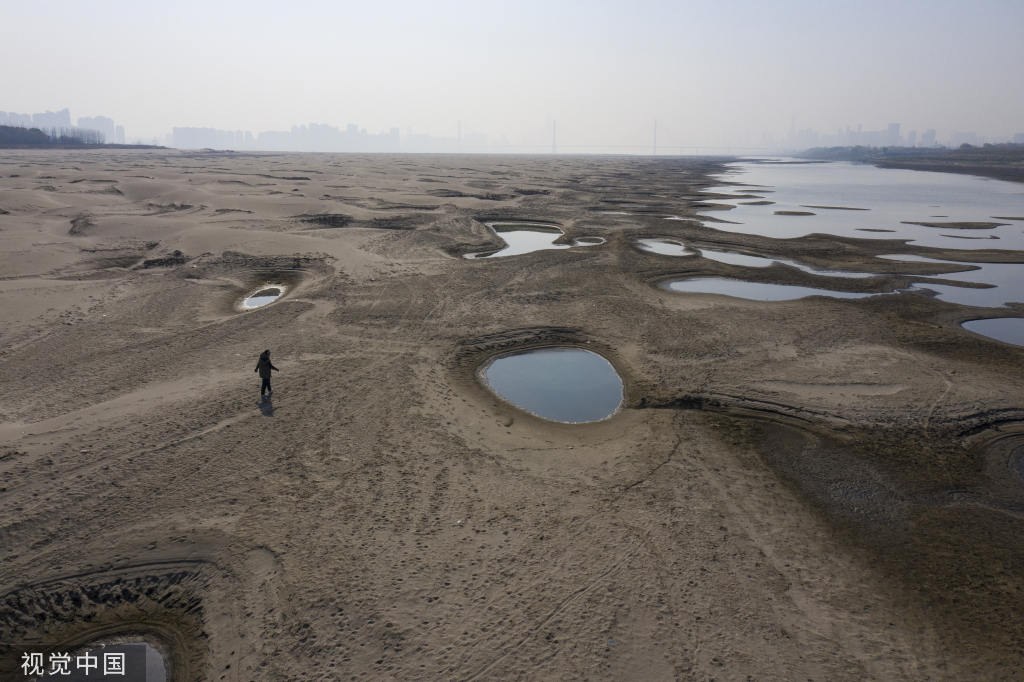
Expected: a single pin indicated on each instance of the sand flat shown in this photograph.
(832, 390)
(810, 489)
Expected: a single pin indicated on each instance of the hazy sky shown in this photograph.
(604, 70)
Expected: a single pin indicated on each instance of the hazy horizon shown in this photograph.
(712, 75)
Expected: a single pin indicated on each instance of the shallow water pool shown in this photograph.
(561, 384)
(263, 297)
(1005, 329)
(523, 238)
(754, 291)
(1007, 280)
(763, 262)
(665, 247)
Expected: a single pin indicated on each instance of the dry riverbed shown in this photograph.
(816, 489)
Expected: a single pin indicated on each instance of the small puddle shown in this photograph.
(588, 241)
(755, 291)
(140, 661)
(262, 297)
(665, 247)
(568, 385)
(522, 238)
(1005, 329)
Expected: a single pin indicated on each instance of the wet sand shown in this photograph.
(817, 489)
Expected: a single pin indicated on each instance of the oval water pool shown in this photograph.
(561, 384)
(263, 297)
(1005, 329)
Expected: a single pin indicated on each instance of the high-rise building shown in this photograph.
(892, 138)
(101, 124)
(912, 138)
(969, 138)
(18, 120)
(928, 138)
(51, 119)
(119, 134)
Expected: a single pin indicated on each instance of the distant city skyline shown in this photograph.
(711, 74)
(323, 137)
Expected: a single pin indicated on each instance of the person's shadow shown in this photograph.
(266, 405)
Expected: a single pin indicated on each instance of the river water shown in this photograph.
(791, 199)
(891, 198)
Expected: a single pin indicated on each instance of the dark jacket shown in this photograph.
(264, 366)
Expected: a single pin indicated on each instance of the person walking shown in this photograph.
(263, 367)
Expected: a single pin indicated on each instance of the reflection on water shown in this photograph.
(523, 238)
(1006, 329)
(892, 197)
(737, 258)
(754, 291)
(1007, 280)
(262, 297)
(762, 262)
(665, 247)
(561, 384)
(668, 247)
